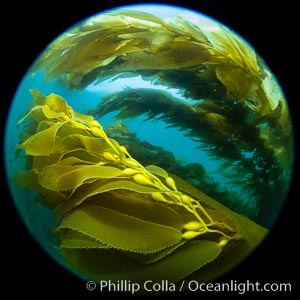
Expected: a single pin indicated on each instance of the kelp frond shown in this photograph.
(128, 42)
(232, 133)
(105, 200)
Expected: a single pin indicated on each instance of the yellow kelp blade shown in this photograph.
(86, 156)
(141, 206)
(119, 230)
(225, 262)
(72, 239)
(60, 177)
(42, 112)
(105, 265)
(84, 192)
(157, 170)
(78, 141)
(154, 257)
(42, 143)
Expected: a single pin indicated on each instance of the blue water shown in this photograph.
(152, 131)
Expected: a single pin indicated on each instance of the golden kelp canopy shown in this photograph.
(114, 217)
(217, 63)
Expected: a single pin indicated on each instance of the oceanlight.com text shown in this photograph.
(184, 285)
(239, 287)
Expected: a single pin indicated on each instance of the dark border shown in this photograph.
(29, 27)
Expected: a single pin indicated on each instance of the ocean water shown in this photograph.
(154, 131)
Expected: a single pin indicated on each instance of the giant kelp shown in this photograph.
(126, 41)
(248, 146)
(238, 112)
(115, 218)
(194, 173)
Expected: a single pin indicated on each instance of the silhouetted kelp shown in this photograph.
(227, 131)
(115, 218)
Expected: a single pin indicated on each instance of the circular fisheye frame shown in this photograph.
(153, 144)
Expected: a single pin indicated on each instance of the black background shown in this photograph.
(29, 28)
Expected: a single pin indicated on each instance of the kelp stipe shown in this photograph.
(114, 217)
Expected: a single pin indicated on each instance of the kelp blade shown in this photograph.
(108, 265)
(119, 230)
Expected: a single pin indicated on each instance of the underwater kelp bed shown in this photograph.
(115, 218)
(236, 111)
(115, 204)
